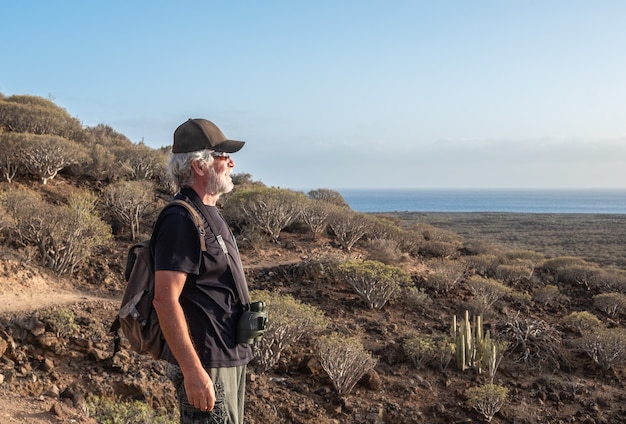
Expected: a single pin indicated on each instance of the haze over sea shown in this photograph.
(588, 201)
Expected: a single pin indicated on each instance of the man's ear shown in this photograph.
(197, 167)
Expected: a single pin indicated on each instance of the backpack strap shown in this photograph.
(195, 215)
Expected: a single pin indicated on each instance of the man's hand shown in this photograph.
(200, 390)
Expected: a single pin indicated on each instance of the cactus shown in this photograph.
(474, 349)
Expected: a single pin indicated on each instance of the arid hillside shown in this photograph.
(561, 351)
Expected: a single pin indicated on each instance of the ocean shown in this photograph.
(466, 200)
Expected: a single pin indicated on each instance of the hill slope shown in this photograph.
(41, 373)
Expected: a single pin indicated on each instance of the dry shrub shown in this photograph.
(6, 220)
(438, 249)
(349, 227)
(573, 270)
(384, 250)
(547, 294)
(484, 264)
(486, 290)
(606, 348)
(583, 275)
(554, 265)
(445, 275)
(315, 215)
(289, 321)
(251, 237)
(65, 235)
(610, 280)
(430, 232)
(526, 255)
(345, 361)
(436, 242)
(416, 297)
(130, 202)
(532, 342)
(612, 304)
(514, 271)
(479, 247)
(270, 210)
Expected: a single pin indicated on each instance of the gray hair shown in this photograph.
(179, 166)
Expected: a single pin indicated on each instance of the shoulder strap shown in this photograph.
(197, 219)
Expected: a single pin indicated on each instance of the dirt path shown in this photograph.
(27, 288)
(22, 301)
(24, 289)
(19, 409)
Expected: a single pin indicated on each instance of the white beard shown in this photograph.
(218, 184)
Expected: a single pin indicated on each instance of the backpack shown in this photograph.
(137, 317)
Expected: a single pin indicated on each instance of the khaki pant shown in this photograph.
(230, 389)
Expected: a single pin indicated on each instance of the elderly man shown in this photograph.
(200, 295)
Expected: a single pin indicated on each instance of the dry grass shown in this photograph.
(597, 238)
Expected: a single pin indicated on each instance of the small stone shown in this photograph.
(53, 392)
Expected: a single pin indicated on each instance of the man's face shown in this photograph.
(218, 179)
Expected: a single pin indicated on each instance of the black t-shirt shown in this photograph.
(209, 299)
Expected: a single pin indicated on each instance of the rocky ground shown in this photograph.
(46, 377)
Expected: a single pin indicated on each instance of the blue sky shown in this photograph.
(346, 94)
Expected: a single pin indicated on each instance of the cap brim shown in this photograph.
(228, 146)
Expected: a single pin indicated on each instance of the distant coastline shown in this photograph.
(584, 201)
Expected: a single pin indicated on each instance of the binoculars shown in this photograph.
(252, 324)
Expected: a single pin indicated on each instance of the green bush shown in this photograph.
(582, 322)
(425, 350)
(487, 399)
(36, 115)
(326, 195)
(531, 256)
(555, 265)
(375, 282)
(61, 321)
(114, 411)
(573, 270)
